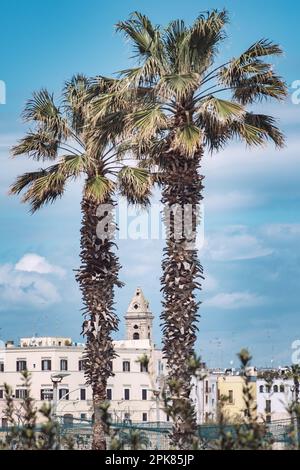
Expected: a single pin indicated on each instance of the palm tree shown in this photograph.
(66, 136)
(186, 104)
(134, 439)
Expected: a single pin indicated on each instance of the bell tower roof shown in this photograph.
(139, 305)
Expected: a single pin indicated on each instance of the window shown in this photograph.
(1, 366)
(4, 423)
(230, 396)
(81, 364)
(144, 367)
(213, 387)
(213, 402)
(206, 386)
(261, 389)
(268, 388)
(46, 364)
(206, 417)
(109, 394)
(126, 366)
(268, 419)
(68, 419)
(281, 388)
(144, 394)
(136, 336)
(82, 394)
(110, 364)
(136, 327)
(144, 417)
(127, 418)
(63, 394)
(46, 394)
(21, 393)
(206, 399)
(63, 364)
(275, 389)
(82, 415)
(268, 406)
(126, 394)
(21, 365)
(1, 394)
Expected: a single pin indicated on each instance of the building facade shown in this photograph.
(205, 397)
(230, 387)
(273, 399)
(132, 391)
(56, 365)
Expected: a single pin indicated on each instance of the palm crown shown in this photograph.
(65, 135)
(184, 98)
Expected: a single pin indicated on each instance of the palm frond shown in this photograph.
(75, 101)
(45, 190)
(261, 48)
(135, 184)
(249, 64)
(258, 87)
(39, 145)
(254, 129)
(267, 127)
(187, 139)
(220, 110)
(173, 36)
(25, 180)
(73, 165)
(98, 188)
(148, 121)
(45, 186)
(148, 47)
(200, 44)
(177, 86)
(42, 109)
(141, 31)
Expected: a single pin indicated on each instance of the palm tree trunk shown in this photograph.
(97, 277)
(181, 195)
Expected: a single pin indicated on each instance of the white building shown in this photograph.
(205, 395)
(131, 390)
(273, 399)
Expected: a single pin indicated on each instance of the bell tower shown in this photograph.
(138, 318)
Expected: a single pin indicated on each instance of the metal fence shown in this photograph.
(157, 434)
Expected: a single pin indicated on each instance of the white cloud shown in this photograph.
(281, 231)
(234, 243)
(234, 300)
(231, 200)
(25, 284)
(33, 263)
(252, 166)
(23, 289)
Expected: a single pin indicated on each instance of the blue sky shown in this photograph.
(251, 253)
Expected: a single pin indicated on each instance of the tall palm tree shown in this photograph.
(65, 135)
(187, 103)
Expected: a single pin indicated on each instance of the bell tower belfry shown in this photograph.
(138, 318)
